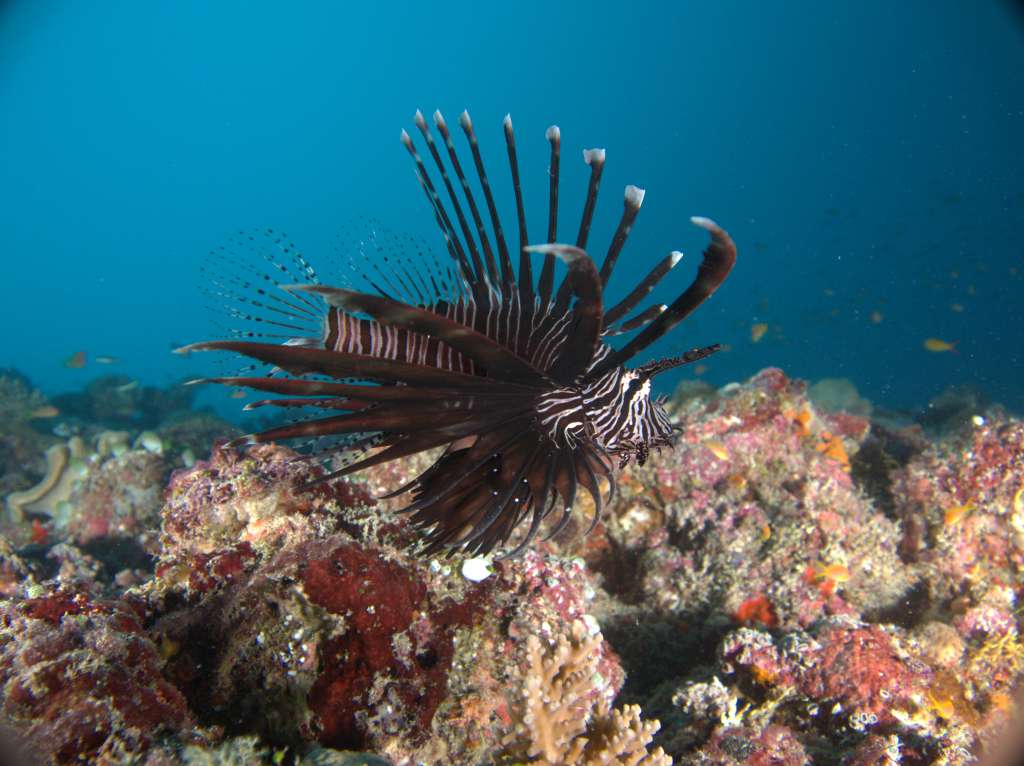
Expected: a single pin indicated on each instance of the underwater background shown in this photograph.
(815, 555)
(864, 156)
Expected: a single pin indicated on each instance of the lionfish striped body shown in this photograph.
(507, 373)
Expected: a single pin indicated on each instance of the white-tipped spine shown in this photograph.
(507, 122)
(553, 133)
(439, 118)
(591, 156)
(418, 119)
(675, 257)
(566, 253)
(634, 196)
(406, 139)
(465, 121)
(704, 223)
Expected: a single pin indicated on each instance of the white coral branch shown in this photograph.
(561, 721)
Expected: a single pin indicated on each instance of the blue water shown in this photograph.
(865, 157)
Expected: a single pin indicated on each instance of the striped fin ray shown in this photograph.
(547, 274)
(719, 258)
(336, 364)
(498, 360)
(643, 289)
(595, 159)
(250, 297)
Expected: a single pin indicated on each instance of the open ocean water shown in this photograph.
(864, 156)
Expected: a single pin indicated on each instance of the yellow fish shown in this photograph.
(46, 411)
(942, 706)
(939, 346)
(833, 572)
(757, 331)
(717, 449)
(957, 512)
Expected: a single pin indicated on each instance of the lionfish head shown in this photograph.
(509, 374)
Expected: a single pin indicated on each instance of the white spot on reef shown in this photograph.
(477, 569)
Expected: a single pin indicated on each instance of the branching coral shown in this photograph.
(562, 723)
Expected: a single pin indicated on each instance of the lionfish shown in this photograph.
(509, 375)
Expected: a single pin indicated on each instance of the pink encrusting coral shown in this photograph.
(752, 519)
(306, 617)
(120, 497)
(968, 494)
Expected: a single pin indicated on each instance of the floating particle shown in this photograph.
(757, 331)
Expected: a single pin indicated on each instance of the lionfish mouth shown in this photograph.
(506, 372)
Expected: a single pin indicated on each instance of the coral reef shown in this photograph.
(801, 579)
(120, 402)
(82, 680)
(313, 621)
(21, 444)
(55, 486)
(564, 720)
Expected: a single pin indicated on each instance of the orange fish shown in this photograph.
(76, 361)
(957, 512)
(939, 346)
(44, 412)
(238, 393)
(757, 331)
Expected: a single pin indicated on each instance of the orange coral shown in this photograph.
(831, 446)
(758, 609)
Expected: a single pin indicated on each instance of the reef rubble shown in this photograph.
(793, 583)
